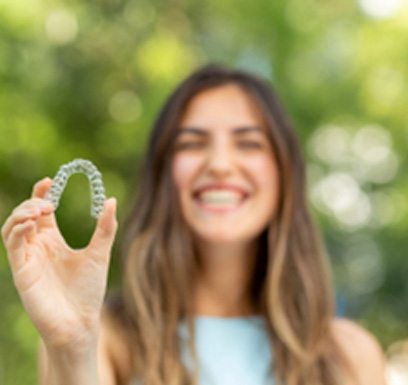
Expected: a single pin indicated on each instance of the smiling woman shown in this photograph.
(225, 172)
(225, 277)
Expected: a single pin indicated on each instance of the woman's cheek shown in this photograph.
(263, 168)
(185, 167)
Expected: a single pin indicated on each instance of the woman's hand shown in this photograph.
(62, 289)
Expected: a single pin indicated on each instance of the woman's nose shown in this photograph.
(220, 160)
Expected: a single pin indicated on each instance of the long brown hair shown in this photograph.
(291, 284)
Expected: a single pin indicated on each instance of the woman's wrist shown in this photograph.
(73, 344)
(72, 364)
(73, 340)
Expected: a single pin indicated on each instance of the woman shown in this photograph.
(225, 277)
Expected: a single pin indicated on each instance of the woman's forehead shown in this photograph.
(227, 107)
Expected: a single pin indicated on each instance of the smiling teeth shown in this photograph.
(220, 197)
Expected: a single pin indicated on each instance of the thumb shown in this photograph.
(104, 234)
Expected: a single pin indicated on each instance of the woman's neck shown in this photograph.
(222, 283)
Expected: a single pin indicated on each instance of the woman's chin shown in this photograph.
(222, 237)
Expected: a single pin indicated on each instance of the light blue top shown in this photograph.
(231, 351)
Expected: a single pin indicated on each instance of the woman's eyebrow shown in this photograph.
(192, 130)
(246, 129)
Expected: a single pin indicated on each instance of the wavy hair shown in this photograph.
(291, 284)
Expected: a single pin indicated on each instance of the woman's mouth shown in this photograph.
(220, 200)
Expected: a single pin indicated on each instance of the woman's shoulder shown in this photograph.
(351, 331)
(114, 352)
(361, 349)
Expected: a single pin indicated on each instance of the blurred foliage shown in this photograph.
(86, 79)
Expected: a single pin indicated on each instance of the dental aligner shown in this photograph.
(79, 166)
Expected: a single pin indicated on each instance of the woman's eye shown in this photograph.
(189, 145)
(249, 144)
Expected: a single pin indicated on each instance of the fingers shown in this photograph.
(41, 188)
(16, 243)
(32, 209)
(104, 235)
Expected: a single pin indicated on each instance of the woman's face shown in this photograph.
(224, 168)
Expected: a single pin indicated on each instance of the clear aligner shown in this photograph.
(79, 166)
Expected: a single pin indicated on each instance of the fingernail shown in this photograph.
(110, 199)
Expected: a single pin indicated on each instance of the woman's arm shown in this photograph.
(362, 351)
(63, 367)
(62, 289)
(108, 364)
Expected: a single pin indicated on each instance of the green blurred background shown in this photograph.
(86, 79)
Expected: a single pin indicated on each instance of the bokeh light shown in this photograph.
(381, 8)
(397, 363)
(125, 106)
(61, 26)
